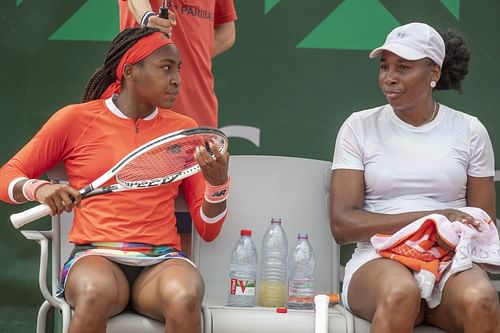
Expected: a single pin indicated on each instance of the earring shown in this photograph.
(433, 84)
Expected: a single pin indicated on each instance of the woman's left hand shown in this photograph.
(214, 168)
(455, 215)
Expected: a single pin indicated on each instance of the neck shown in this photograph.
(418, 115)
(133, 109)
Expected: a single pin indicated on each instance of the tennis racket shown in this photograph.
(160, 161)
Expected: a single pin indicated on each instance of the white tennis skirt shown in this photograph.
(363, 253)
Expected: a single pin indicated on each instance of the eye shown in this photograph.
(403, 67)
(383, 66)
(167, 68)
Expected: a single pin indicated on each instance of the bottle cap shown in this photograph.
(246, 232)
(302, 236)
(276, 220)
(281, 310)
(334, 298)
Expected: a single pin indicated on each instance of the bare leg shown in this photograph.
(96, 289)
(171, 291)
(386, 293)
(469, 304)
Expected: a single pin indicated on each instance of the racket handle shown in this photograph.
(163, 13)
(20, 219)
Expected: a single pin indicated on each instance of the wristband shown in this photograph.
(145, 18)
(216, 194)
(31, 186)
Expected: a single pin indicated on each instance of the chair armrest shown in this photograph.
(42, 238)
(37, 235)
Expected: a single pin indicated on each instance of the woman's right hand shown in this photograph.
(58, 197)
(455, 215)
(164, 24)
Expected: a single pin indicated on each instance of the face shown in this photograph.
(406, 83)
(156, 79)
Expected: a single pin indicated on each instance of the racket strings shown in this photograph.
(165, 160)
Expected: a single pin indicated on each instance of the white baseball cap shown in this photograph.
(414, 41)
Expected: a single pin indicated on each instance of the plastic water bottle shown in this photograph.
(301, 276)
(272, 287)
(243, 271)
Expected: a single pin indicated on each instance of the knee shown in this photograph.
(402, 298)
(94, 299)
(183, 299)
(480, 301)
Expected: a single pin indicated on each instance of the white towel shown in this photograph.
(470, 246)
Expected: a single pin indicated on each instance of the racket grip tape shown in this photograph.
(163, 12)
(20, 219)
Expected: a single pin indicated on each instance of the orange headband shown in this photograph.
(137, 52)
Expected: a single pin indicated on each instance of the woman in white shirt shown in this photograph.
(396, 163)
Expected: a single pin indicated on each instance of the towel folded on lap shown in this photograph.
(435, 248)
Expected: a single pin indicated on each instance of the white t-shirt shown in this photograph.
(410, 168)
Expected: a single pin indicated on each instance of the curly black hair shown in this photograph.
(105, 75)
(456, 61)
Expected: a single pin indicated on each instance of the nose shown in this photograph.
(176, 79)
(390, 77)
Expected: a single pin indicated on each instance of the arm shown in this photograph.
(208, 217)
(224, 37)
(349, 222)
(48, 147)
(480, 182)
(481, 194)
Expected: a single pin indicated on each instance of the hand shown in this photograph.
(455, 215)
(58, 197)
(165, 25)
(214, 168)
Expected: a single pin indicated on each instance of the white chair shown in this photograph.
(56, 239)
(263, 187)
(297, 190)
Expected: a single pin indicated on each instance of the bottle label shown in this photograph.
(242, 287)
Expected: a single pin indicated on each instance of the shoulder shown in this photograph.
(367, 116)
(461, 118)
(73, 112)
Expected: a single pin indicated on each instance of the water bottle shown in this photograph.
(272, 285)
(301, 276)
(242, 274)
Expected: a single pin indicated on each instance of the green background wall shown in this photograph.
(298, 69)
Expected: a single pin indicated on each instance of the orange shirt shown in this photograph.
(90, 138)
(194, 37)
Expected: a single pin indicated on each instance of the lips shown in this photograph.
(391, 93)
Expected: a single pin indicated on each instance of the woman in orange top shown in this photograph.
(124, 241)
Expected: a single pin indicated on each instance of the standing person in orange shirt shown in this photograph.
(201, 29)
(127, 248)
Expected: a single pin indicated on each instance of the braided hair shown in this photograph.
(106, 74)
(456, 61)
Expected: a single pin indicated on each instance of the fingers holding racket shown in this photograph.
(164, 21)
(213, 162)
(58, 197)
(55, 199)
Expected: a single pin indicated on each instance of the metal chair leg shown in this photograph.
(41, 321)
